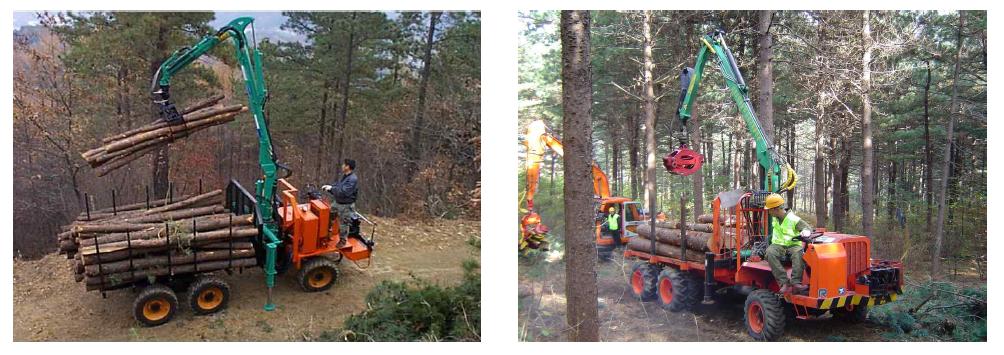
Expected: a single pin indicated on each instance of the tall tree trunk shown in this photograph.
(161, 160)
(343, 111)
(615, 166)
(648, 95)
(867, 183)
(577, 97)
(818, 163)
(322, 123)
(417, 148)
(633, 151)
(649, 104)
(765, 74)
(946, 167)
(928, 155)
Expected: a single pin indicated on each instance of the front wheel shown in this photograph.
(764, 315)
(318, 274)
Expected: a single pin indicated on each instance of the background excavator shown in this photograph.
(291, 233)
(533, 232)
(842, 278)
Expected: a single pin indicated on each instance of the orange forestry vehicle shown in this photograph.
(843, 278)
(533, 232)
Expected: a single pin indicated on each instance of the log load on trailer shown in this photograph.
(842, 277)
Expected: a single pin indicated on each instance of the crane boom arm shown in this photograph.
(714, 45)
(250, 61)
(537, 141)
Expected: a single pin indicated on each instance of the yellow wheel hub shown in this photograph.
(210, 298)
(156, 310)
(319, 278)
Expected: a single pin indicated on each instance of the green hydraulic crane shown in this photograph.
(250, 60)
(778, 176)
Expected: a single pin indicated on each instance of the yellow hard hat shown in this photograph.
(773, 200)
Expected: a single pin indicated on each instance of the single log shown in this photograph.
(695, 240)
(724, 220)
(226, 245)
(130, 207)
(95, 283)
(162, 260)
(191, 201)
(663, 249)
(178, 240)
(700, 227)
(164, 216)
(212, 100)
(202, 224)
(110, 218)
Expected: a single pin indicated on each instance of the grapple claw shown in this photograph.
(682, 161)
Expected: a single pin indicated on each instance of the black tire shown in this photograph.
(851, 314)
(764, 315)
(604, 252)
(318, 274)
(642, 281)
(678, 291)
(208, 294)
(155, 305)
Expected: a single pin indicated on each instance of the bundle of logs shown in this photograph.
(669, 237)
(120, 149)
(118, 245)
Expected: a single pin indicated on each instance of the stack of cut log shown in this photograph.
(668, 238)
(176, 236)
(120, 149)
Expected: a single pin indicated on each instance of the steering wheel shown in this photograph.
(811, 238)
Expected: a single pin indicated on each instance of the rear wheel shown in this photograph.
(853, 314)
(155, 305)
(677, 291)
(764, 315)
(642, 281)
(318, 274)
(209, 294)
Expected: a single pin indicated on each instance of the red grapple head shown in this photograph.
(682, 161)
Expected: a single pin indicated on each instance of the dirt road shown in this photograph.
(623, 318)
(49, 305)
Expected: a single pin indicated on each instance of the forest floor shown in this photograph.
(623, 318)
(50, 306)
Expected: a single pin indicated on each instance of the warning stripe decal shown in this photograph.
(837, 302)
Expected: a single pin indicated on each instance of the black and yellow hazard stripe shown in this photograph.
(838, 302)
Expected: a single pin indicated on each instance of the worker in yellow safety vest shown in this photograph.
(786, 227)
(612, 225)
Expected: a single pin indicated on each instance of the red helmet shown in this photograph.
(682, 161)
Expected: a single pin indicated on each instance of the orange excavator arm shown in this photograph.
(537, 141)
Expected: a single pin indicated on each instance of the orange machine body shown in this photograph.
(630, 214)
(836, 264)
(307, 227)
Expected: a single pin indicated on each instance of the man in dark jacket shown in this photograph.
(345, 191)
